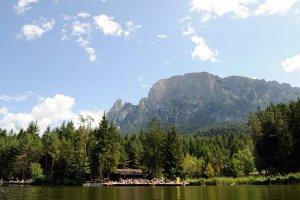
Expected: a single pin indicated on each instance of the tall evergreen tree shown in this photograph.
(173, 154)
(153, 143)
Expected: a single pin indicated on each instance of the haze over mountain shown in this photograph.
(196, 100)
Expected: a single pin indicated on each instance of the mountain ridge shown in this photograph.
(200, 99)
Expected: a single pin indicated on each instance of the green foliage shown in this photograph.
(153, 142)
(192, 166)
(107, 147)
(173, 154)
(223, 129)
(209, 171)
(275, 133)
(71, 155)
(134, 151)
(242, 163)
(248, 180)
(36, 172)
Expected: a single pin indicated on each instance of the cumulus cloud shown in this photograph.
(50, 111)
(12, 121)
(23, 5)
(79, 28)
(81, 32)
(35, 31)
(202, 51)
(91, 51)
(240, 8)
(291, 64)
(273, 7)
(162, 36)
(84, 15)
(218, 8)
(108, 26)
(19, 98)
(189, 30)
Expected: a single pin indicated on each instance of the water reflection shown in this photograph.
(284, 192)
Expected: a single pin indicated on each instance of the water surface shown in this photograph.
(274, 192)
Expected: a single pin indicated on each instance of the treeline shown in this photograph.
(276, 136)
(68, 155)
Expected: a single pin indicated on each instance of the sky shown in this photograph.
(64, 58)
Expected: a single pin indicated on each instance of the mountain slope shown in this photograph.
(196, 100)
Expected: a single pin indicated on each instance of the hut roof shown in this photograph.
(129, 171)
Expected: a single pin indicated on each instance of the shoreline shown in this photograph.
(289, 179)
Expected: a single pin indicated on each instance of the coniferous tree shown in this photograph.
(173, 154)
(153, 143)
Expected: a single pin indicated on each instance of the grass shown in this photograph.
(249, 180)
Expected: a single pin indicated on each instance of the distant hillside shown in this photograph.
(197, 100)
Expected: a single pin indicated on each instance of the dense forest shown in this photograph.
(68, 155)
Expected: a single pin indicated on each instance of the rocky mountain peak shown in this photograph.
(195, 100)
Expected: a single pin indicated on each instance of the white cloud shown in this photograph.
(91, 51)
(108, 26)
(79, 28)
(15, 121)
(272, 7)
(218, 8)
(81, 32)
(202, 51)
(95, 115)
(24, 5)
(33, 31)
(291, 64)
(132, 27)
(50, 111)
(83, 14)
(189, 30)
(54, 108)
(162, 36)
(184, 19)
(47, 26)
(240, 8)
(19, 98)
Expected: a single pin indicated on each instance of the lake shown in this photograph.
(272, 192)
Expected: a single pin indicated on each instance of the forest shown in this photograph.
(70, 155)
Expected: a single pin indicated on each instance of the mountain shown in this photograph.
(197, 100)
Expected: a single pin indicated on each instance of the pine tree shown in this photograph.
(173, 154)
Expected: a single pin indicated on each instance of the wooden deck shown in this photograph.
(117, 184)
(18, 182)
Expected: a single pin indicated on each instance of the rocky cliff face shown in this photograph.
(196, 100)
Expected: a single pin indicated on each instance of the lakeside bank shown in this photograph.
(292, 178)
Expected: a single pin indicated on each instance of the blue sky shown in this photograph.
(62, 58)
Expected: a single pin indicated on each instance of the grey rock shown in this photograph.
(196, 100)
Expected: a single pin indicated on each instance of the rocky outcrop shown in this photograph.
(196, 100)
